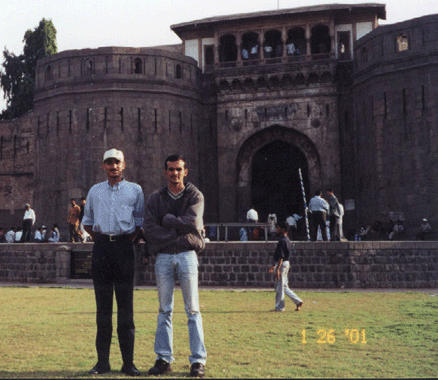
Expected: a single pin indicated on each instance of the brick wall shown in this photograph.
(235, 264)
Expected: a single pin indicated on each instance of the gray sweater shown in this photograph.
(168, 233)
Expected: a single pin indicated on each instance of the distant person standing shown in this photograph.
(318, 218)
(113, 216)
(84, 234)
(292, 225)
(251, 217)
(28, 221)
(425, 229)
(74, 212)
(281, 270)
(335, 216)
(272, 221)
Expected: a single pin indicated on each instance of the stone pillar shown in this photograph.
(63, 260)
(308, 36)
(284, 40)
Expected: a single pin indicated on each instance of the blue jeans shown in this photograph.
(282, 288)
(185, 266)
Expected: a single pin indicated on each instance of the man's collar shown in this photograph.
(120, 183)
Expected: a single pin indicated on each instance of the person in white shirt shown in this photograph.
(319, 208)
(28, 221)
(292, 225)
(39, 235)
(18, 235)
(10, 235)
(272, 220)
(252, 216)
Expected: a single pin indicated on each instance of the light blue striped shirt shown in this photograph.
(114, 210)
(318, 204)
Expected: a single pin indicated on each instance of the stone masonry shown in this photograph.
(234, 264)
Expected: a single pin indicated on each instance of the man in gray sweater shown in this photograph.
(173, 225)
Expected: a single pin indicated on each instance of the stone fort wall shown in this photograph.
(395, 99)
(235, 264)
(144, 101)
(150, 102)
(17, 155)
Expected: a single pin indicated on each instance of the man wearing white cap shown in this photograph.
(113, 216)
(424, 229)
(28, 221)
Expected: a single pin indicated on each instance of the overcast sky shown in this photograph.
(84, 24)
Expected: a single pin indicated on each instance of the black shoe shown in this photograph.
(197, 370)
(161, 367)
(130, 370)
(99, 368)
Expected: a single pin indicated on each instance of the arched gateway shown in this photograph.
(267, 171)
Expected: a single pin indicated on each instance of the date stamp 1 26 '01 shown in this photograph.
(354, 336)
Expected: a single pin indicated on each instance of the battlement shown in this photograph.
(401, 42)
(113, 67)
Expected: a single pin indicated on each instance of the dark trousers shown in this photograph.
(113, 271)
(318, 220)
(27, 231)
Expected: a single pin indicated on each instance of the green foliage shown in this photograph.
(17, 78)
(50, 333)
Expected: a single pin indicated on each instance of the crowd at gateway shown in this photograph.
(324, 223)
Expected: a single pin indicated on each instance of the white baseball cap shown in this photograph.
(114, 153)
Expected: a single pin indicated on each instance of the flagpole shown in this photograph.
(305, 204)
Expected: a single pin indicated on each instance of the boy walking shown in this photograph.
(281, 270)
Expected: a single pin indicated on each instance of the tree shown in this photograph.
(17, 78)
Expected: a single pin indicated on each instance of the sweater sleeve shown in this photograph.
(156, 233)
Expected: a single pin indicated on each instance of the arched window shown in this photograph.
(313, 78)
(326, 77)
(250, 46)
(364, 55)
(88, 67)
(320, 41)
(299, 79)
(49, 73)
(138, 66)
(227, 48)
(402, 42)
(273, 45)
(296, 41)
(178, 71)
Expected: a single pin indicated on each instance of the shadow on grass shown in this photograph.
(175, 312)
(81, 375)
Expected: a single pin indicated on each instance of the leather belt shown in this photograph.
(175, 251)
(113, 238)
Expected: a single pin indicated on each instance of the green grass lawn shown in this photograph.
(50, 332)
